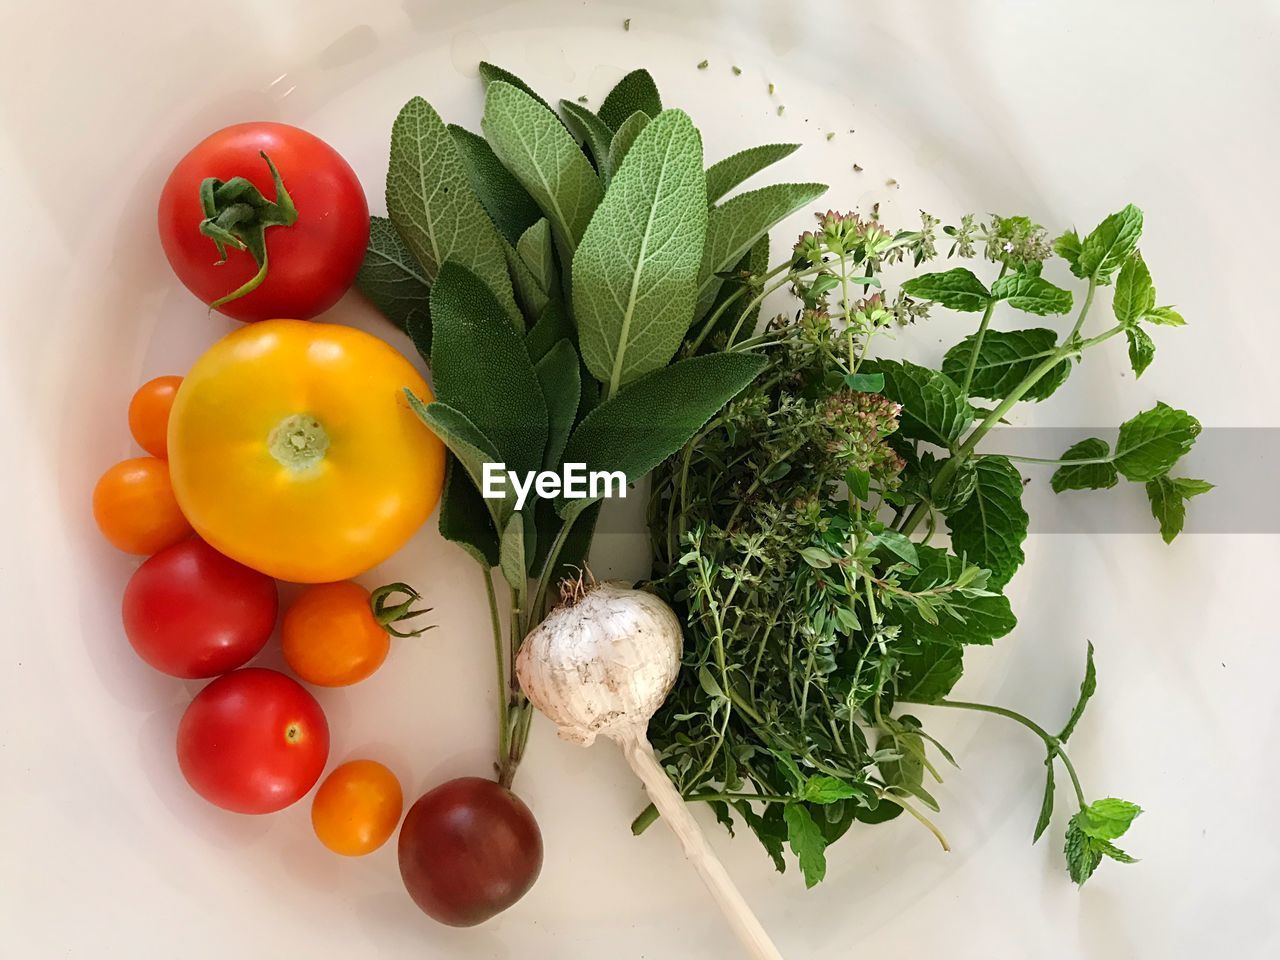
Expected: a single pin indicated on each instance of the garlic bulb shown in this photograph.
(602, 663)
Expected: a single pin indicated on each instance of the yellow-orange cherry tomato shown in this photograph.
(149, 414)
(336, 634)
(135, 509)
(357, 808)
(294, 451)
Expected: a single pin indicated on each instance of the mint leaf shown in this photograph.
(1088, 687)
(933, 409)
(652, 418)
(1067, 247)
(1111, 243)
(1165, 316)
(1107, 819)
(635, 91)
(728, 173)
(508, 204)
(1169, 496)
(534, 145)
(1153, 441)
(1135, 295)
(434, 209)
(956, 289)
(927, 672)
(624, 137)
(1086, 476)
(1031, 294)
(734, 226)
(865, 382)
(1142, 349)
(989, 529)
(1004, 361)
(1083, 856)
(976, 619)
(394, 282)
(635, 276)
(824, 789)
(906, 768)
(807, 843)
(1046, 802)
(593, 132)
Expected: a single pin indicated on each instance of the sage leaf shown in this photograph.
(635, 275)
(535, 146)
(1086, 476)
(434, 209)
(561, 390)
(640, 427)
(806, 842)
(1088, 687)
(737, 224)
(724, 175)
(492, 73)
(551, 327)
(624, 138)
(536, 250)
(1110, 244)
(634, 92)
(1169, 496)
(508, 204)
(592, 132)
(754, 263)
(530, 295)
(1153, 441)
(472, 448)
(480, 367)
(394, 282)
(1031, 294)
(511, 555)
(933, 409)
(989, 529)
(464, 516)
(1135, 294)
(1005, 359)
(1046, 802)
(956, 289)
(1142, 349)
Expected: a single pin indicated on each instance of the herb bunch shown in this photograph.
(794, 532)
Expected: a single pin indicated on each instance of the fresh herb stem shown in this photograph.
(499, 659)
(925, 821)
(978, 337)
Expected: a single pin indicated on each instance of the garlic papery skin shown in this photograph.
(602, 662)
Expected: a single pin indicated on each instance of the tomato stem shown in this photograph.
(388, 615)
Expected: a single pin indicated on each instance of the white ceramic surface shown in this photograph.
(1064, 111)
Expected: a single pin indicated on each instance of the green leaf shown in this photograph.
(561, 389)
(535, 146)
(1082, 855)
(927, 672)
(491, 73)
(865, 382)
(593, 132)
(624, 137)
(933, 409)
(956, 289)
(1031, 294)
(536, 252)
(511, 555)
(1111, 243)
(1088, 687)
(465, 440)
(728, 173)
(1153, 441)
(819, 558)
(734, 226)
(824, 789)
(1141, 349)
(394, 282)
(982, 619)
(1107, 819)
(907, 770)
(755, 263)
(529, 293)
(1067, 247)
(551, 327)
(465, 518)
(634, 92)
(1005, 359)
(989, 529)
(480, 367)
(508, 204)
(640, 427)
(1086, 476)
(1165, 316)
(807, 843)
(1135, 294)
(1169, 496)
(635, 275)
(899, 545)
(433, 207)
(1046, 803)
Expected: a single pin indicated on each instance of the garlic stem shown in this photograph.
(676, 815)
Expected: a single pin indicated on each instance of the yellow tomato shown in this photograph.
(356, 809)
(293, 450)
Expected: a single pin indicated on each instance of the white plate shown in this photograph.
(1062, 111)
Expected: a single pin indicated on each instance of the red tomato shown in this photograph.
(310, 263)
(468, 850)
(134, 507)
(191, 612)
(253, 741)
(149, 414)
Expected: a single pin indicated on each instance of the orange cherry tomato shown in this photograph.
(135, 509)
(357, 808)
(149, 414)
(336, 634)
